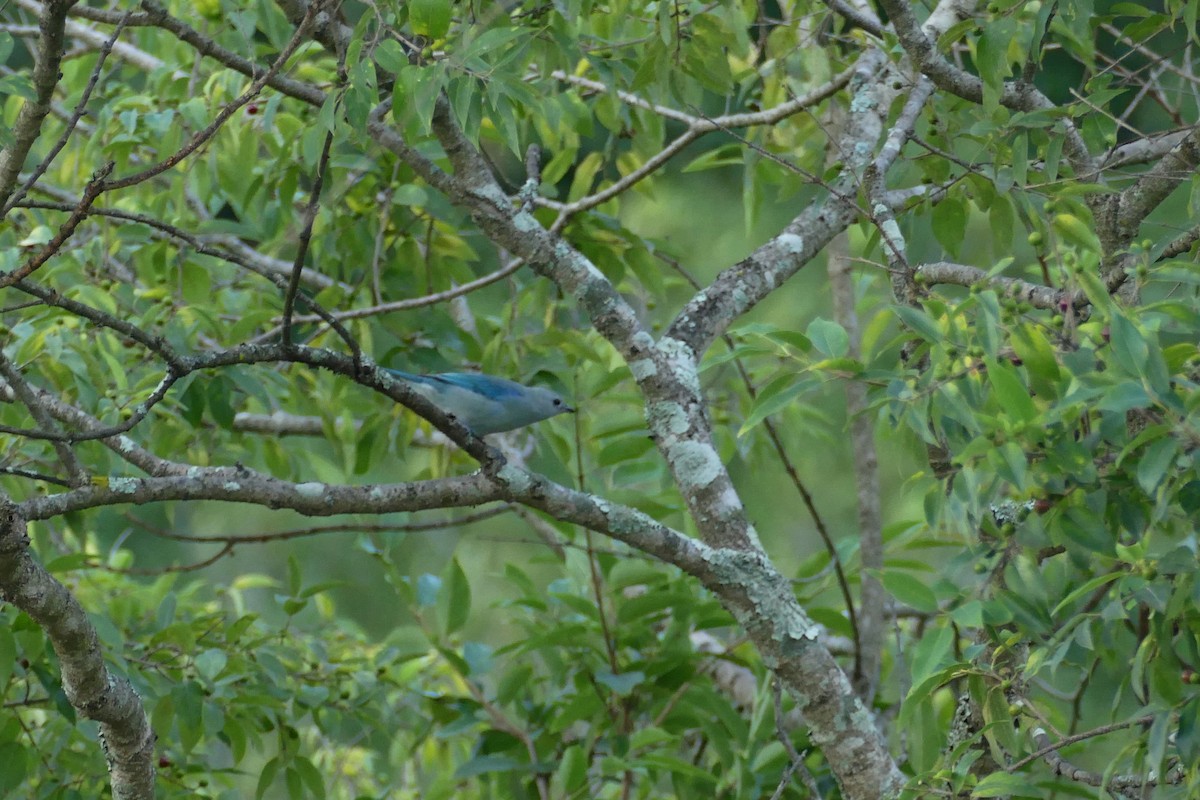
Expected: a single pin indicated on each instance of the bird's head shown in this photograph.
(548, 403)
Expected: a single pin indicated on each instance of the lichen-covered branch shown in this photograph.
(1037, 295)
(90, 687)
(918, 42)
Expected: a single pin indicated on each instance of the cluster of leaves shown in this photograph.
(299, 702)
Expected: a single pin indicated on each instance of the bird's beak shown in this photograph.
(569, 410)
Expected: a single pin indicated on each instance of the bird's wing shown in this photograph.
(486, 385)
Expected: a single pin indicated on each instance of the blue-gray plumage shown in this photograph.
(483, 403)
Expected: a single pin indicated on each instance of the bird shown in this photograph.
(484, 403)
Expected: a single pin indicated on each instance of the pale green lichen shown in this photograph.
(696, 465)
(492, 193)
(667, 418)
(770, 595)
(525, 222)
(123, 485)
(231, 486)
(792, 243)
(891, 230)
(863, 101)
(683, 363)
(310, 490)
(642, 369)
(517, 480)
(738, 294)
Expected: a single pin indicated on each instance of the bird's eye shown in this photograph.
(557, 401)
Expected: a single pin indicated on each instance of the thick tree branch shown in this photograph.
(734, 567)
(1118, 217)
(90, 687)
(870, 617)
(741, 287)
(918, 43)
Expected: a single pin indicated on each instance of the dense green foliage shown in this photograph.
(1040, 489)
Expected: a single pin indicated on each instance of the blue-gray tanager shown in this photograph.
(483, 403)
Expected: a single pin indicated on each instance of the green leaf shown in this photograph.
(1077, 232)
(267, 776)
(39, 235)
(218, 400)
(910, 591)
(210, 663)
(1123, 397)
(478, 657)
(1011, 393)
(949, 222)
(1003, 784)
(390, 55)
(430, 17)
(15, 759)
(926, 684)
(1032, 347)
(829, 337)
(1129, 347)
(8, 656)
(766, 404)
(932, 652)
(485, 764)
(410, 194)
(920, 322)
(730, 155)
(1187, 737)
(1155, 462)
(1156, 748)
(1001, 222)
(1086, 589)
(991, 54)
(458, 598)
(1010, 463)
(571, 776)
(311, 777)
(624, 449)
(677, 766)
